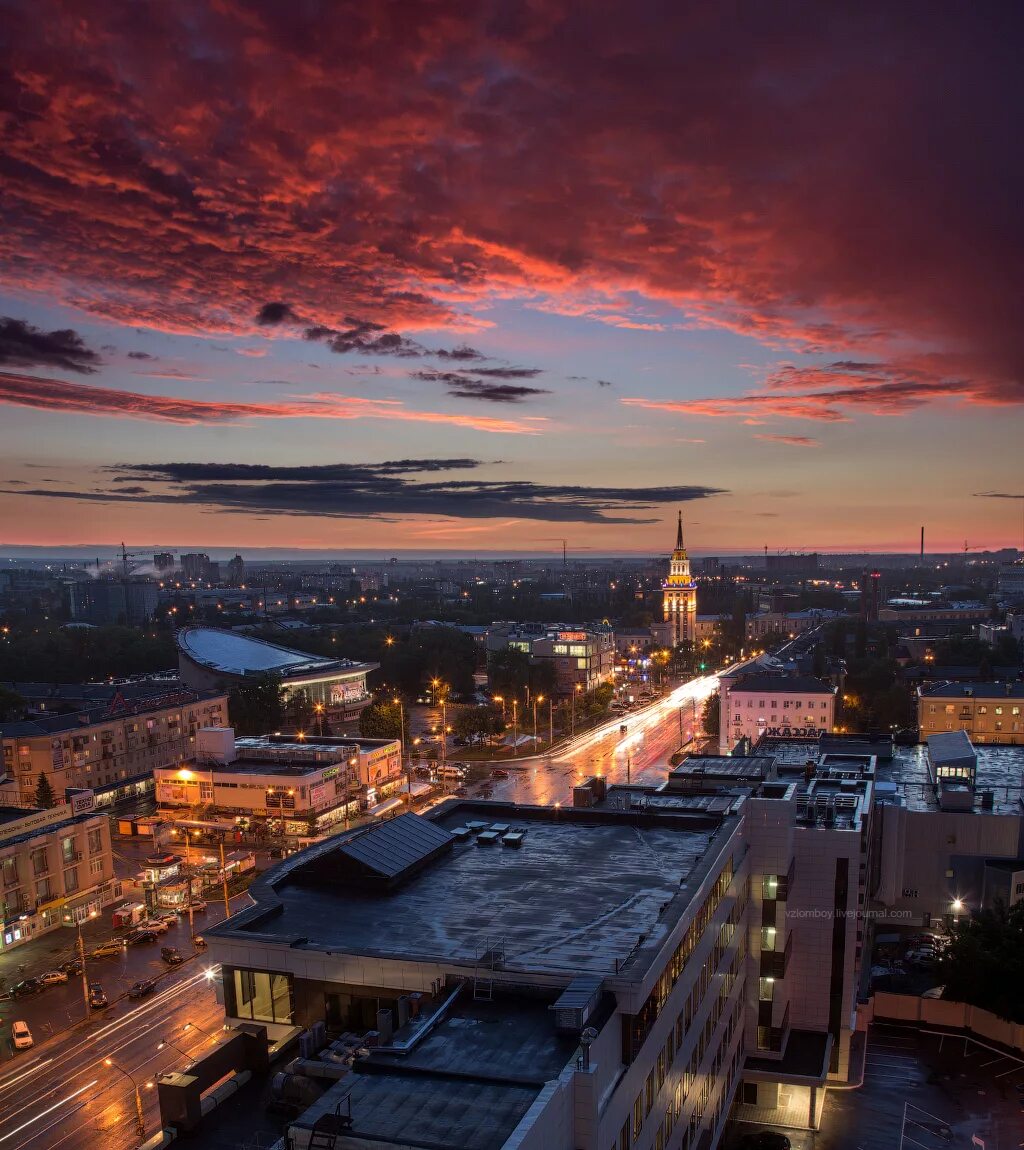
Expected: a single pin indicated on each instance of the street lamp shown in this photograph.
(140, 1120)
(578, 689)
(536, 699)
(193, 1026)
(318, 709)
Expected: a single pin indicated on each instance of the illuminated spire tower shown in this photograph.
(679, 593)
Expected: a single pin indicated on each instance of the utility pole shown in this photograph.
(224, 879)
(85, 977)
(188, 874)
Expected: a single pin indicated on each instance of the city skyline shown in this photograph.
(466, 281)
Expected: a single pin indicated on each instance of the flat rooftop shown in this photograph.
(1000, 771)
(577, 897)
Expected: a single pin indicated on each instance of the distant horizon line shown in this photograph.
(89, 551)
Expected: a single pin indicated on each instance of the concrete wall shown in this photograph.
(928, 857)
(942, 1015)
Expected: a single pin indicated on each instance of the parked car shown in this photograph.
(97, 998)
(26, 987)
(198, 907)
(498, 773)
(766, 1140)
(71, 966)
(155, 924)
(199, 942)
(168, 916)
(143, 934)
(109, 949)
(21, 1036)
(53, 978)
(141, 988)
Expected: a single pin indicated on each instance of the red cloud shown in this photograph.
(791, 440)
(81, 399)
(405, 171)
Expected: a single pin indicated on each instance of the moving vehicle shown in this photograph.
(171, 955)
(199, 942)
(498, 773)
(155, 924)
(143, 934)
(97, 998)
(109, 949)
(53, 977)
(168, 916)
(141, 988)
(198, 906)
(26, 987)
(21, 1036)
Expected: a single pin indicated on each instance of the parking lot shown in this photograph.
(949, 1091)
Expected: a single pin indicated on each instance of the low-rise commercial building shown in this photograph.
(759, 704)
(213, 658)
(56, 867)
(304, 785)
(988, 712)
(111, 749)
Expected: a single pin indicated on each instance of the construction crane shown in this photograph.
(125, 556)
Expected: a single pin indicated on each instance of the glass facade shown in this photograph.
(259, 995)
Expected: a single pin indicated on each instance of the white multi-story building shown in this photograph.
(760, 704)
(303, 783)
(623, 973)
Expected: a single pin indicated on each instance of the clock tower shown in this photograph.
(679, 593)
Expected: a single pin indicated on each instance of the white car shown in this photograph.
(155, 924)
(21, 1036)
(53, 977)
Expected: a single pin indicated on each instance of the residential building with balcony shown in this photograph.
(111, 749)
(56, 867)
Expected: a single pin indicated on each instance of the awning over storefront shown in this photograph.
(383, 808)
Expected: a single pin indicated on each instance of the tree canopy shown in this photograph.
(984, 963)
(256, 706)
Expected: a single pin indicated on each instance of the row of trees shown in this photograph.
(54, 654)
(984, 963)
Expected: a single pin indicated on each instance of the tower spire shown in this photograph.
(679, 533)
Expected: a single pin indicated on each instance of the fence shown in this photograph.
(937, 1012)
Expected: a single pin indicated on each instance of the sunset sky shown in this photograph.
(474, 276)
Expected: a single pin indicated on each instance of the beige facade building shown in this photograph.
(56, 867)
(111, 750)
(988, 712)
(679, 595)
(304, 784)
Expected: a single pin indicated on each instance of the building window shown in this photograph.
(40, 863)
(9, 871)
(260, 995)
(71, 880)
(95, 841)
(638, 1116)
(768, 934)
(766, 989)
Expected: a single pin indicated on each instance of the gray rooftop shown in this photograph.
(419, 1110)
(986, 691)
(575, 898)
(1000, 771)
(790, 684)
(233, 654)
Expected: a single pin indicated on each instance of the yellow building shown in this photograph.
(988, 712)
(111, 750)
(679, 594)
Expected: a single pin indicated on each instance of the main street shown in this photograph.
(640, 754)
(62, 1093)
